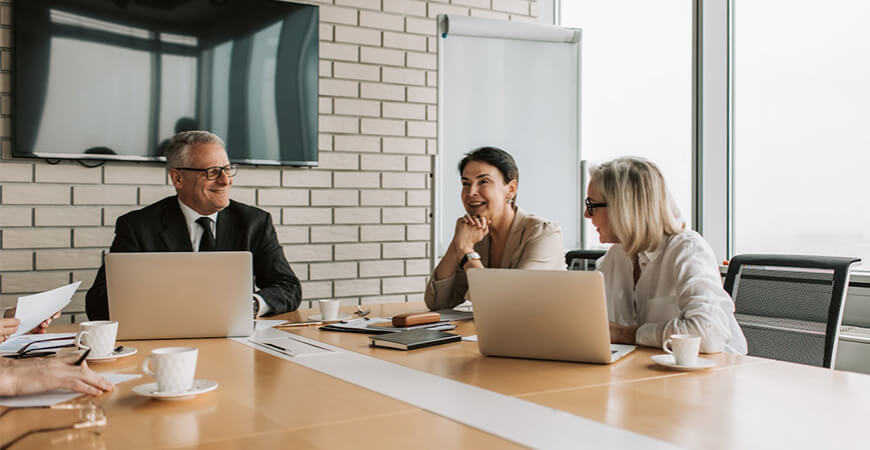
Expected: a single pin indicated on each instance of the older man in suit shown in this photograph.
(202, 217)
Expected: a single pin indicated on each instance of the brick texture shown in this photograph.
(356, 227)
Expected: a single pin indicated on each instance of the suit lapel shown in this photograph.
(482, 248)
(175, 233)
(515, 237)
(226, 229)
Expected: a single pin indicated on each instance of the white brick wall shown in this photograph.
(355, 228)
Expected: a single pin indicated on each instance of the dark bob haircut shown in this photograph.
(496, 157)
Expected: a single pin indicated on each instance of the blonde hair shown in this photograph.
(640, 209)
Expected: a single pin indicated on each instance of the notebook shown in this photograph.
(543, 314)
(180, 295)
(409, 340)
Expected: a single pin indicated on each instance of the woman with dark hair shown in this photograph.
(494, 232)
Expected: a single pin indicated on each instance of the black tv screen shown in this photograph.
(115, 79)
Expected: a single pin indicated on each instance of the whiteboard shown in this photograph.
(510, 89)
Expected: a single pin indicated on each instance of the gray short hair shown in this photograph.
(178, 148)
(640, 208)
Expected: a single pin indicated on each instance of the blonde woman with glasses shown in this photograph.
(660, 277)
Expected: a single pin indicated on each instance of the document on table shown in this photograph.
(33, 309)
(262, 324)
(46, 399)
(14, 344)
(289, 345)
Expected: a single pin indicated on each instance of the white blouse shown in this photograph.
(679, 292)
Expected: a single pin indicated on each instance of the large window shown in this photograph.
(801, 143)
(636, 93)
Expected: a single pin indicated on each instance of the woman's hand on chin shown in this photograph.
(469, 231)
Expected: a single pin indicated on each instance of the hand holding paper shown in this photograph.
(36, 308)
(8, 327)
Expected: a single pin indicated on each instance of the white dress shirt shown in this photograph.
(194, 228)
(679, 292)
(196, 231)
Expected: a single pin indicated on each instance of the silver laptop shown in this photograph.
(543, 314)
(180, 295)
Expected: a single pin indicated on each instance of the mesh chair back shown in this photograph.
(790, 306)
(583, 259)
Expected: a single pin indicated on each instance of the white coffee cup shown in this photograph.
(684, 347)
(174, 368)
(98, 336)
(329, 309)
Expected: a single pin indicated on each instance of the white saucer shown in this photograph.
(199, 387)
(126, 351)
(340, 317)
(668, 361)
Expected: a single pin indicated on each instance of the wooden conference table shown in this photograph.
(267, 402)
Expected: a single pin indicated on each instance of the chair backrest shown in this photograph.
(790, 306)
(582, 259)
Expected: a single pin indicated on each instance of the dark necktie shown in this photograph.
(206, 242)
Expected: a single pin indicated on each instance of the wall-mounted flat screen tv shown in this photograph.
(115, 79)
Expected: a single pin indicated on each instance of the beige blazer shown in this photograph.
(533, 243)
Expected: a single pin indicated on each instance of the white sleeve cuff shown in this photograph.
(648, 335)
(264, 307)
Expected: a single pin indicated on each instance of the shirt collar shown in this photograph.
(190, 215)
(643, 258)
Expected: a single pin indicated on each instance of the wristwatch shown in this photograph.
(468, 256)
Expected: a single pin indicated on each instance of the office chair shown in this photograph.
(790, 306)
(582, 259)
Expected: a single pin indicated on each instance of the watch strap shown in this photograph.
(467, 257)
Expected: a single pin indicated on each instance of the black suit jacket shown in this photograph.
(161, 227)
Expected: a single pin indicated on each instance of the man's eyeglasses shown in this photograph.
(590, 206)
(212, 173)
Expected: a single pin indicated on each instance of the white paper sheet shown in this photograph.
(263, 324)
(472, 338)
(289, 346)
(58, 396)
(33, 309)
(13, 344)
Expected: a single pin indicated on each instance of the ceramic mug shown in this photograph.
(684, 347)
(98, 336)
(174, 368)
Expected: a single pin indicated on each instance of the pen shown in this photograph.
(354, 320)
(300, 324)
(82, 358)
(279, 348)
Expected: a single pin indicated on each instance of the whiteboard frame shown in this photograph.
(503, 31)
